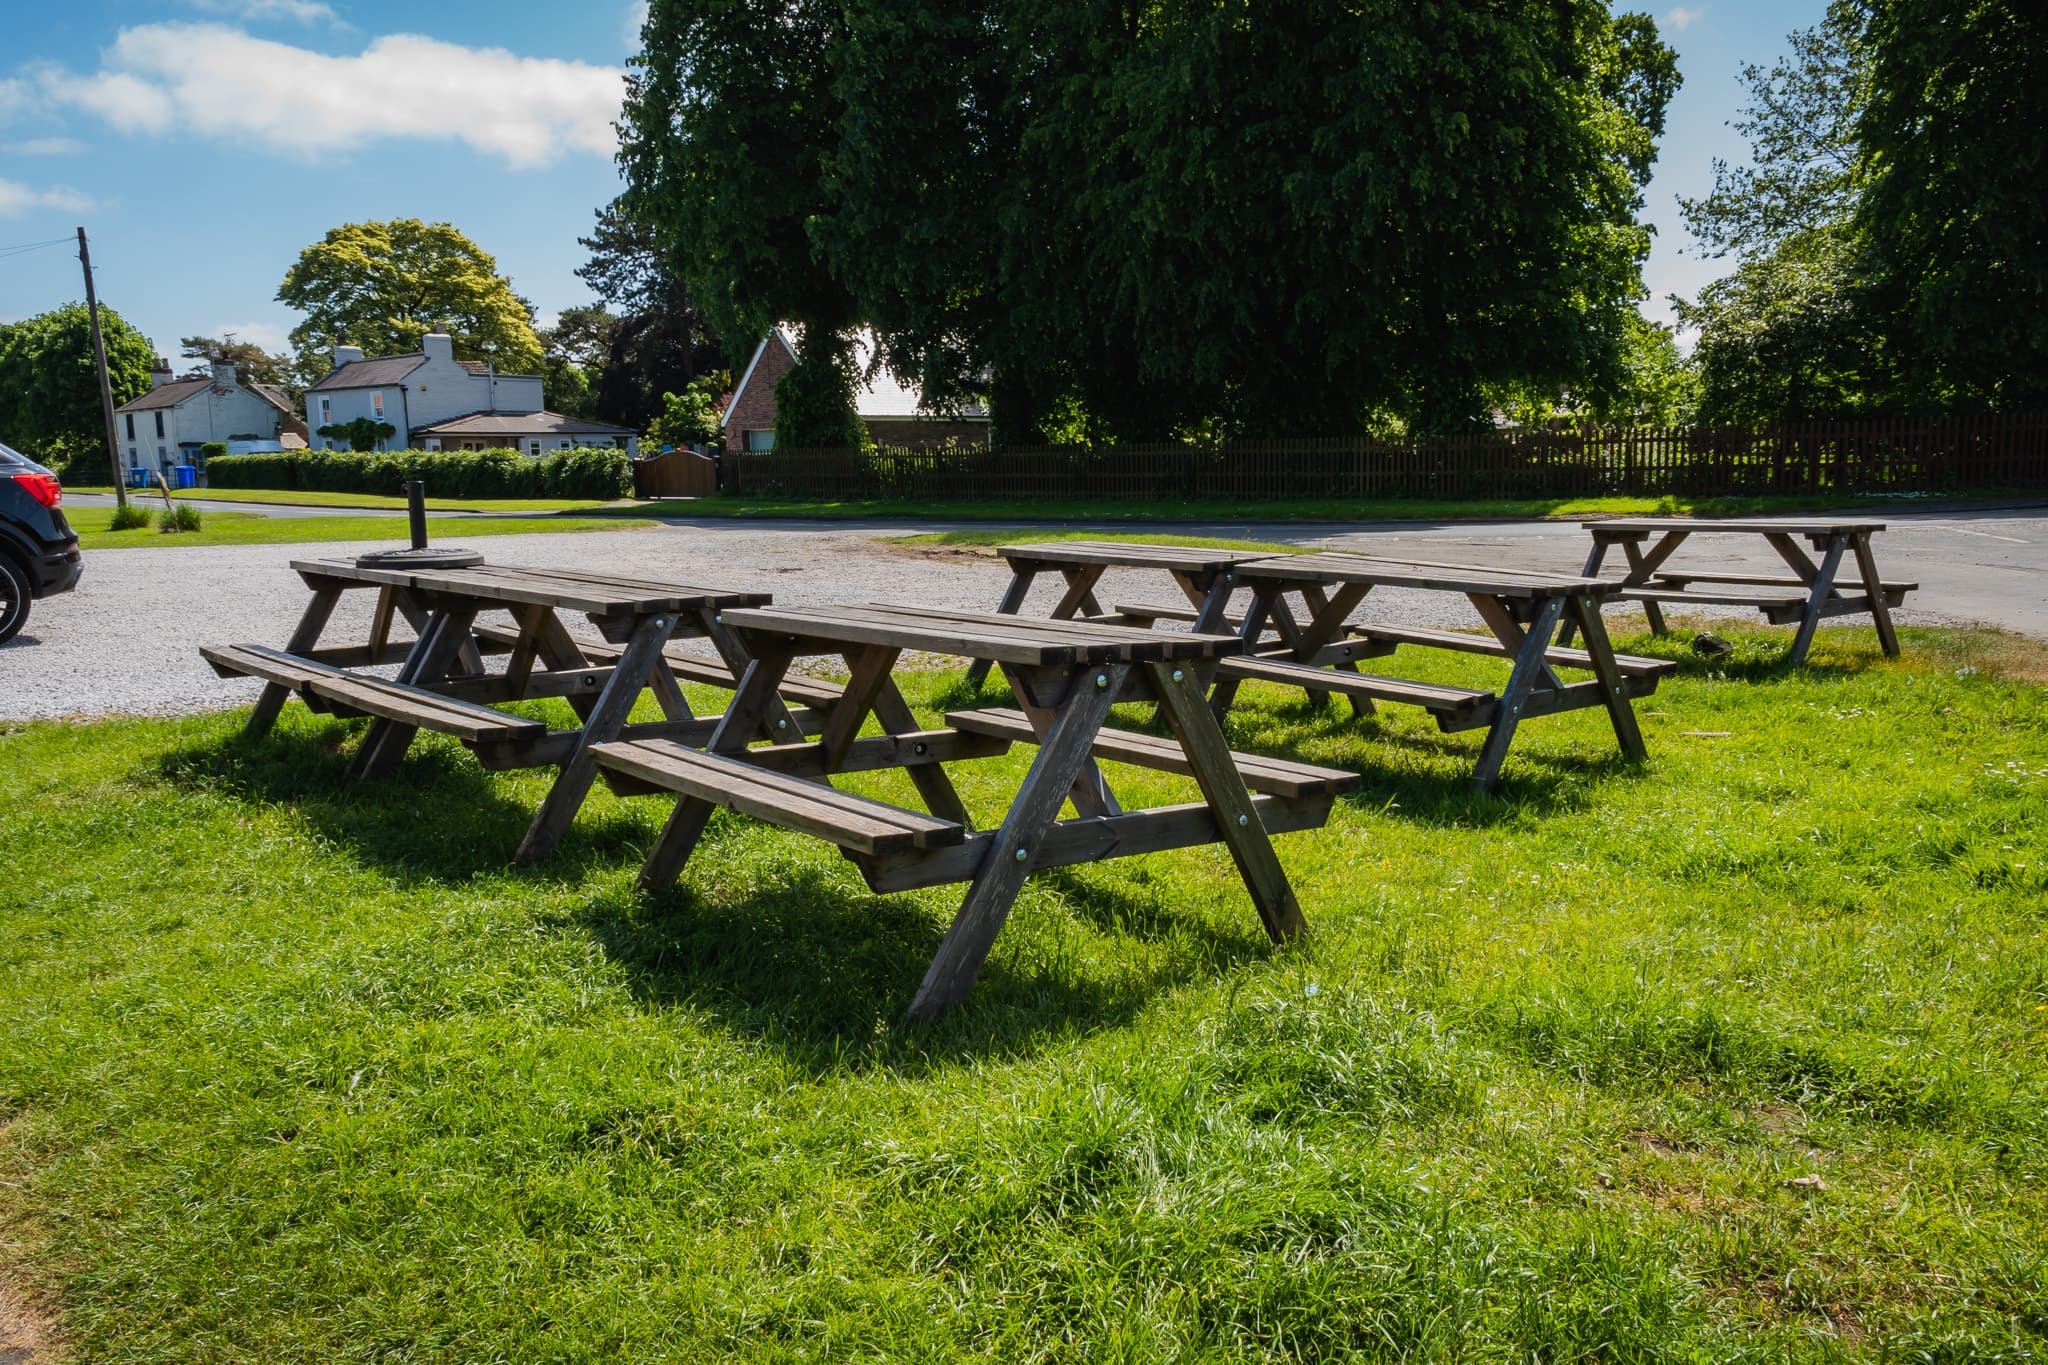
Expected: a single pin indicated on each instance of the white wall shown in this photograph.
(436, 390)
(212, 414)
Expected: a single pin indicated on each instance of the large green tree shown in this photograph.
(1161, 215)
(647, 339)
(1954, 136)
(252, 363)
(383, 286)
(50, 395)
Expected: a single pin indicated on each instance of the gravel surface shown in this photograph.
(126, 642)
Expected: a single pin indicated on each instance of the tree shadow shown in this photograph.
(439, 817)
(824, 972)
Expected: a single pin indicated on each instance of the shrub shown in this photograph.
(179, 516)
(129, 516)
(584, 473)
(213, 450)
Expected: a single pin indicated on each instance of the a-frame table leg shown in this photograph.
(1225, 692)
(1528, 667)
(1873, 588)
(1021, 576)
(1594, 559)
(940, 797)
(304, 636)
(994, 888)
(440, 643)
(753, 696)
(1817, 593)
(1613, 687)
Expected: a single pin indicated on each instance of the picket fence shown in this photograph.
(1883, 455)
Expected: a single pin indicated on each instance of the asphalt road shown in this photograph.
(127, 641)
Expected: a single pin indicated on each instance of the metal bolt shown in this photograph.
(1244, 819)
(921, 747)
(782, 724)
(660, 622)
(1023, 855)
(719, 617)
(1102, 679)
(1178, 675)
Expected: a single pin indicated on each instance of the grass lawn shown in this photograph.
(253, 528)
(284, 498)
(1741, 1056)
(1307, 509)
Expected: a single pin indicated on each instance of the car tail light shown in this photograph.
(44, 488)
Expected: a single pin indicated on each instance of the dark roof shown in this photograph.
(475, 366)
(520, 424)
(371, 373)
(272, 395)
(166, 395)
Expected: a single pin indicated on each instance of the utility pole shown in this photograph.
(99, 360)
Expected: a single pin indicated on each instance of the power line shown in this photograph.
(23, 248)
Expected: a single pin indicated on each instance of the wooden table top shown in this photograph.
(972, 634)
(1752, 525)
(567, 589)
(1123, 554)
(1339, 566)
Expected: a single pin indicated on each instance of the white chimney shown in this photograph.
(347, 355)
(160, 373)
(438, 346)
(224, 373)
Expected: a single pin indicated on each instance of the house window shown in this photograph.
(326, 412)
(534, 446)
(761, 440)
(377, 405)
(131, 426)
(159, 422)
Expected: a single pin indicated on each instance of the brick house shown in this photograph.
(893, 411)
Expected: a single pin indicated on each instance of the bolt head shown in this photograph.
(1178, 675)
(782, 724)
(719, 617)
(1244, 820)
(1102, 679)
(1023, 855)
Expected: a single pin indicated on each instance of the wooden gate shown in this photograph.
(675, 474)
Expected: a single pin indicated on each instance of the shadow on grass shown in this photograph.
(438, 818)
(824, 973)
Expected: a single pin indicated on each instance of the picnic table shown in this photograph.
(443, 684)
(1202, 575)
(1319, 650)
(1064, 675)
(1807, 596)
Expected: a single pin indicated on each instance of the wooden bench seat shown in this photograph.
(1278, 776)
(1679, 577)
(1145, 613)
(1718, 599)
(1430, 696)
(687, 667)
(1631, 665)
(368, 696)
(856, 823)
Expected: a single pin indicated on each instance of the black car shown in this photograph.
(38, 549)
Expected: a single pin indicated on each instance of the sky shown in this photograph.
(204, 143)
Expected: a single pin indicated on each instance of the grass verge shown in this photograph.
(253, 528)
(1307, 509)
(1743, 1056)
(284, 498)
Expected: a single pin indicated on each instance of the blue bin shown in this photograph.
(188, 476)
(138, 478)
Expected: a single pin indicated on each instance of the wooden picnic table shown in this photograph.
(443, 684)
(1319, 650)
(1065, 675)
(1202, 575)
(1812, 596)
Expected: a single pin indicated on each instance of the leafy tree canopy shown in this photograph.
(383, 286)
(252, 363)
(1155, 217)
(50, 394)
(690, 417)
(646, 339)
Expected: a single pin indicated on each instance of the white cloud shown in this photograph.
(1681, 18)
(221, 82)
(256, 11)
(636, 19)
(15, 95)
(269, 335)
(17, 199)
(45, 146)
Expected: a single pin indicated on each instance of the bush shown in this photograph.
(128, 516)
(211, 451)
(585, 473)
(179, 516)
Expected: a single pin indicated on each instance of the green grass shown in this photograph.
(297, 1071)
(254, 528)
(283, 498)
(1304, 509)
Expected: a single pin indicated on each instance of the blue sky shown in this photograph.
(203, 143)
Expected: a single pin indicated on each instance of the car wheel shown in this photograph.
(13, 599)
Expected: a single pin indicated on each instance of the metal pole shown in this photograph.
(416, 510)
(99, 360)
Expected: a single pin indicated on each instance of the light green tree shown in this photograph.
(383, 286)
(50, 395)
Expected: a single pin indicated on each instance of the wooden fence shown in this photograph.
(1904, 455)
(675, 474)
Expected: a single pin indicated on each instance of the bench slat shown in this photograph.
(1629, 664)
(1430, 696)
(372, 696)
(1280, 776)
(699, 668)
(1680, 577)
(853, 822)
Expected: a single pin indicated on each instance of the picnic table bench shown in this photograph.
(1320, 651)
(1065, 675)
(1201, 574)
(1807, 596)
(442, 683)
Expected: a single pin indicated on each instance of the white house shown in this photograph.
(435, 402)
(167, 425)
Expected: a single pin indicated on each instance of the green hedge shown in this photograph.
(586, 473)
